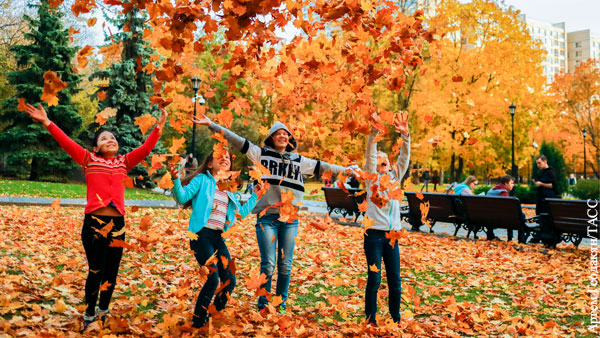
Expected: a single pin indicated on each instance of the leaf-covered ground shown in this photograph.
(451, 288)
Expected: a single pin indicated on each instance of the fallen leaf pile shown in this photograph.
(450, 287)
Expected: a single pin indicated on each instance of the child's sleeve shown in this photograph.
(371, 152)
(309, 166)
(246, 147)
(184, 194)
(403, 157)
(137, 155)
(77, 152)
(249, 205)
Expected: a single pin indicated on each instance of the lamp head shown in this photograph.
(195, 83)
(584, 132)
(512, 108)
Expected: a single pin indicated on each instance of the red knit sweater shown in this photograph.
(105, 177)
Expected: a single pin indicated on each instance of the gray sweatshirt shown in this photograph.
(388, 217)
(286, 167)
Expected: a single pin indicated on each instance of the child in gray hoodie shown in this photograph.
(276, 239)
(385, 211)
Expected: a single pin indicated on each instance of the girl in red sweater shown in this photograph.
(105, 174)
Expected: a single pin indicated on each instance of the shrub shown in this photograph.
(482, 189)
(586, 189)
(526, 194)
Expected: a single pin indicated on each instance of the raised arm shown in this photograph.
(371, 152)
(137, 155)
(184, 194)
(246, 147)
(77, 152)
(401, 126)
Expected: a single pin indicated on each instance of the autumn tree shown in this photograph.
(124, 102)
(29, 148)
(487, 61)
(577, 98)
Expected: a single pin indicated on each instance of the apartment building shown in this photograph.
(553, 39)
(582, 45)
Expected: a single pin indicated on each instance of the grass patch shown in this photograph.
(66, 190)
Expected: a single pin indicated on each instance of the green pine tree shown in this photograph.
(28, 147)
(129, 88)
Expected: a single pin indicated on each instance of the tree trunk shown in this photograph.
(459, 170)
(34, 174)
(452, 178)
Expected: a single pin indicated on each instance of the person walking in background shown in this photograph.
(425, 177)
(435, 179)
(105, 172)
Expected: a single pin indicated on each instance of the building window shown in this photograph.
(577, 44)
(578, 53)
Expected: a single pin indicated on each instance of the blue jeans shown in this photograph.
(377, 246)
(210, 241)
(271, 234)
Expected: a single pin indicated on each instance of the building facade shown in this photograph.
(553, 39)
(582, 45)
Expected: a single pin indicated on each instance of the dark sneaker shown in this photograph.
(87, 320)
(103, 316)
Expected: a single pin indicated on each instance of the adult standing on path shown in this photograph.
(104, 218)
(276, 239)
(545, 181)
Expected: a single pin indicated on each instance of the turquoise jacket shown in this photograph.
(201, 190)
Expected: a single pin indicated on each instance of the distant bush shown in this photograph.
(482, 189)
(586, 189)
(526, 194)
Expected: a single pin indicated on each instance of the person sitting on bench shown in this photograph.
(507, 183)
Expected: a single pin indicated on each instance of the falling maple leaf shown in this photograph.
(373, 268)
(52, 85)
(145, 222)
(166, 182)
(55, 205)
(105, 114)
(82, 56)
(177, 143)
(145, 122)
(105, 286)
(105, 229)
(367, 223)
(21, 106)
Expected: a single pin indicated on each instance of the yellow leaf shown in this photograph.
(191, 235)
(177, 143)
(374, 268)
(60, 306)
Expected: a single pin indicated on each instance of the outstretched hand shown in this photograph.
(203, 121)
(38, 114)
(401, 123)
(174, 171)
(163, 119)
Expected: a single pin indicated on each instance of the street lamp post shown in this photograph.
(195, 86)
(514, 173)
(584, 158)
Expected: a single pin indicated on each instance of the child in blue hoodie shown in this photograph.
(385, 211)
(213, 212)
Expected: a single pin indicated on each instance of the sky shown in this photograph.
(577, 14)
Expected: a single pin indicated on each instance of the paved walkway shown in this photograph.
(317, 207)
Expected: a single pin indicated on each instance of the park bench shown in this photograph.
(344, 203)
(568, 221)
(496, 212)
(442, 208)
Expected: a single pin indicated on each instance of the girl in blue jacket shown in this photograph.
(213, 212)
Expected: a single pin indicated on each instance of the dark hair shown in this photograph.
(542, 157)
(203, 168)
(506, 178)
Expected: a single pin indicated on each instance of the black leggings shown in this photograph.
(210, 241)
(103, 260)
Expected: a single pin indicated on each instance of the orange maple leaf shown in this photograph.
(55, 205)
(165, 182)
(52, 85)
(21, 106)
(145, 122)
(82, 56)
(256, 281)
(177, 143)
(145, 222)
(105, 286)
(367, 222)
(105, 229)
(373, 268)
